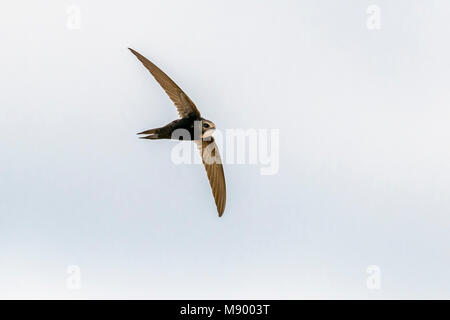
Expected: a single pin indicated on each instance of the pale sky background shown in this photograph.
(364, 173)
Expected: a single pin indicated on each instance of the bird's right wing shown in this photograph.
(184, 104)
(214, 169)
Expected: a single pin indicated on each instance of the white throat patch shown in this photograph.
(208, 133)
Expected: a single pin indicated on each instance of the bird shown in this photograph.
(200, 131)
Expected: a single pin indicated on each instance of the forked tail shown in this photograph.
(157, 133)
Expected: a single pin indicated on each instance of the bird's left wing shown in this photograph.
(183, 103)
(214, 169)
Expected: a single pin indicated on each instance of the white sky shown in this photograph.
(364, 158)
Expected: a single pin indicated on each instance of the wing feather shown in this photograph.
(214, 169)
(182, 102)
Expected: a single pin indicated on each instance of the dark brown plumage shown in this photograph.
(189, 115)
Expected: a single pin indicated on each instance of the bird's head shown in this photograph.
(208, 128)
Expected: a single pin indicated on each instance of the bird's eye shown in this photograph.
(205, 125)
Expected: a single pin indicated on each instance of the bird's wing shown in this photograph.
(184, 104)
(214, 169)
